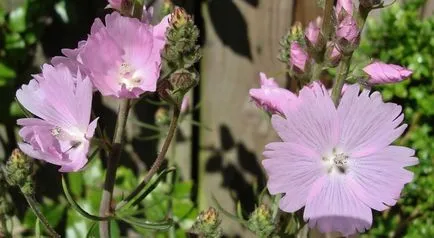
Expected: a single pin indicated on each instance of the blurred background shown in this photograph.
(220, 141)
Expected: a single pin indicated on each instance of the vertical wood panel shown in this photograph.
(241, 39)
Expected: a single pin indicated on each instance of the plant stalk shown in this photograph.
(112, 164)
(160, 158)
(327, 28)
(34, 206)
(343, 68)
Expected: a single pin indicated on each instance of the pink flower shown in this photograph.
(62, 102)
(298, 57)
(123, 56)
(271, 97)
(313, 31)
(346, 5)
(348, 30)
(381, 73)
(338, 163)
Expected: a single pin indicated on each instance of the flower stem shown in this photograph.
(112, 164)
(343, 68)
(160, 158)
(34, 206)
(327, 28)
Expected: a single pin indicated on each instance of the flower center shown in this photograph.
(337, 162)
(128, 76)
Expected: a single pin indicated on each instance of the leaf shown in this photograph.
(134, 199)
(75, 182)
(76, 207)
(146, 224)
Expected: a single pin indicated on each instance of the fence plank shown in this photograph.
(241, 39)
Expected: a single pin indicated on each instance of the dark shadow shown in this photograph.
(249, 162)
(230, 26)
(214, 162)
(234, 180)
(253, 3)
(226, 139)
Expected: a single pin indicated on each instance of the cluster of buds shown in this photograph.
(208, 224)
(19, 170)
(180, 54)
(261, 221)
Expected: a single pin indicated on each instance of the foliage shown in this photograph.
(401, 37)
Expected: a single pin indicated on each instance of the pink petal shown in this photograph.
(335, 207)
(291, 169)
(368, 124)
(378, 179)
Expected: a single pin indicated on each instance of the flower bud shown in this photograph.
(333, 54)
(344, 7)
(167, 7)
(381, 73)
(19, 170)
(261, 222)
(313, 32)
(294, 34)
(162, 117)
(348, 35)
(298, 57)
(179, 83)
(208, 223)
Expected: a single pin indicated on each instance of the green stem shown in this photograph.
(170, 181)
(160, 158)
(112, 164)
(317, 70)
(327, 28)
(343, 68)
(34, 206)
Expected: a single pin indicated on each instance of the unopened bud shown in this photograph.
(208, 223)
(294, 34)
(167, 7)
(179, 83)
(180, 18)
(162, 117)
(333, 54)
(261, 222)
(19, 170)
(348, 35)
(298, 58)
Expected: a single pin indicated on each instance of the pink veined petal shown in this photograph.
(291, 169)
(335, 207)
(381, 123)
(377, 179)
(77, 158)
(83, 102)
(314, 123)
(40, 155)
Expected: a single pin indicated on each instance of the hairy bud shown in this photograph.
(261, 222)
(19, 170)
(208, 223)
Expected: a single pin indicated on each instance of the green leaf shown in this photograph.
(76, 207)
(132, 200)
(147, 224)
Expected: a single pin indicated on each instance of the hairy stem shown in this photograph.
(34, 206)
(112, 164)
(160, 158)
(343, 68)
(327, 28)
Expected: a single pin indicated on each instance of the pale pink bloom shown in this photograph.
(346, 5)
(313, 31)
(71, 59)
(185, 105)
(271, 97)
(348, 30)
(62, 102)
(381, 73)
(298, 57)
(123, 56)
(338, 163)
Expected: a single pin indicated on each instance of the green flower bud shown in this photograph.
(208, 224)
(261, 222)
(179, 83)
(19, 170)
